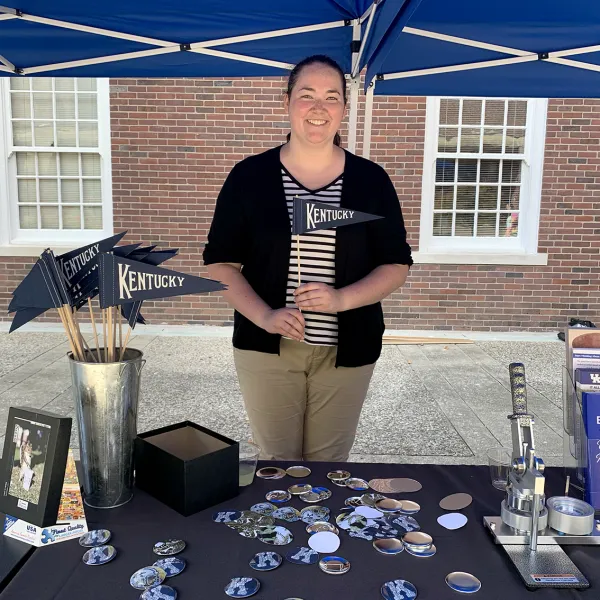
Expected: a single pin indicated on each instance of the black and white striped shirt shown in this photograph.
(317, 259)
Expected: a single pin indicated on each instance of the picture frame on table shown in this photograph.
(34, 460)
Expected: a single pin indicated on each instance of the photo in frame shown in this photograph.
(33, 467)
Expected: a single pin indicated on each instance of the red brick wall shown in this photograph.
(175, 140)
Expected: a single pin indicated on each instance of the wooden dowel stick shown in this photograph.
(94, 326)
(110, 328)
(75, 330)
(120, 331)
(124, 347)
(68, 332)
(104, 334)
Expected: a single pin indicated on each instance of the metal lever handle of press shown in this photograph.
(518, 388)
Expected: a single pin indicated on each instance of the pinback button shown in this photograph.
(147, 577)
(265, 561)
(338, 477)
(97, 537)
(168, 547)
(287, 513)
(160, 592)
(399, 589)
(263, 508)
(356, 484)
(271, 473)
(171, 566)
(99, 555)
(226, 516)
(334, 565)
(299, 488)
(302, 556)
(298, 471)
(388, 546)
(463, 582)
(278, 496)
(242, 587)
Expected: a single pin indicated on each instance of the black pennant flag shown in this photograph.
(23, 316)
(131, 310)
(123, 280)
(76, 264)
(312, 216)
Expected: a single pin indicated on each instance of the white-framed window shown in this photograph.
(55, 161)
(482, 180)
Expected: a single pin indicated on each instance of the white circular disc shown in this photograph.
(369, 512)
(452, 520)
(324, 542)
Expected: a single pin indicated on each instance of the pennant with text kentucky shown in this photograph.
(123, 280)
(76, 264)
(312, 216)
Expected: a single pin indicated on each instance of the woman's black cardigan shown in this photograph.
(251, 226)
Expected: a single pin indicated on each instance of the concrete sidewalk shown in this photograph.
(440, 404)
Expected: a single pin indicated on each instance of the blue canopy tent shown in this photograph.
(508, 48)
(192, 38)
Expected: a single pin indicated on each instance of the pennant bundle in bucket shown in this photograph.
(309, 216)
(72, 280)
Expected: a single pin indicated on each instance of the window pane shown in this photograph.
(43, 84)
(69, 190)
(444, 197)
(49, 217)
(92, 217)
(492, 141)
(442, 224)
(467, 170)
(91, 165)
(511, 171)
(448, 139)
(464, 224)
(469, 140)
(25, 163)
(49, 190)
(92, 191)
(515, 141)
(42, 106)
(488, 198)
(47, 163)
(510, 198)
(88, 135)
(465, 197)
(22, 133)
(71, 216)
(66, 132)
(65, 106)
(489, 171)
(444, 170)
(471, 114)
(64, 84)
(86, 84)
(20, 104)
(69, 165)
(43, 132)
(516, 113)
(27, 190)
(449, 110)
(494, 112)
(28, 217)
(20, 83)
(509, 224)
(486, 225)
(88, 106)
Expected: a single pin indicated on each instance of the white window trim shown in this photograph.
(522, 250)
(35, 242)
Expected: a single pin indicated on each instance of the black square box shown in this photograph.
(187, 467)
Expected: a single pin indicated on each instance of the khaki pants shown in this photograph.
(300, 406)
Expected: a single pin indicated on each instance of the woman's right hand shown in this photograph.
(285, 321)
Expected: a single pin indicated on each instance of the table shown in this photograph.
(216, 553)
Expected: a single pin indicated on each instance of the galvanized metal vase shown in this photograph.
(106, 397)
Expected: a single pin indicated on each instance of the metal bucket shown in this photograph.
(106, 404)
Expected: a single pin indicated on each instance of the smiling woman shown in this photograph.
(308, 323)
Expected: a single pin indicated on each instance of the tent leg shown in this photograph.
(368, 120)
(353, 122)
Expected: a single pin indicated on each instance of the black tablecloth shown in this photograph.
(216, 553)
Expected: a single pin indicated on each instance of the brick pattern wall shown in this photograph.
(173, 142)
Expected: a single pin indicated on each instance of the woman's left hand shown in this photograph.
(318, 297)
